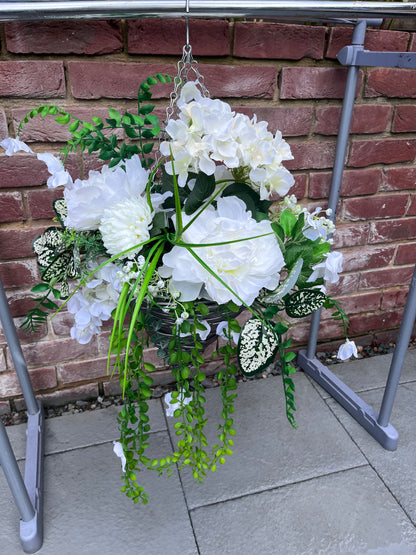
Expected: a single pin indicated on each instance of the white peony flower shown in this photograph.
(118, 450)
(126, 224)
(245, 266)
(347, 350)
(11, 146)
(88, 199)
(329, 269)
(59, 176)
(94, 303)
(222, 331)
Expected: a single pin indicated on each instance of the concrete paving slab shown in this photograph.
(397, 468)
(371, 373)
(348, 513)
(72, 431)
(268, 452)
(85, 512)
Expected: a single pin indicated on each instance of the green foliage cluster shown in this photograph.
(142, 128)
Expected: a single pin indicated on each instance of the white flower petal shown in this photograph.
(347, 350)
(118, 450)
(171, 407)
(11, 146)
(88, 199)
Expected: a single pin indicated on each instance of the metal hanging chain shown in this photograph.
(187, 70)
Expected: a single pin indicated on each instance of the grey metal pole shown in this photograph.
(345, 123)
(308, 10)
(405, 333)
(340, 153)
(17, 354)
(14, 478)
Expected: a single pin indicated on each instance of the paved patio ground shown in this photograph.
(326, 488)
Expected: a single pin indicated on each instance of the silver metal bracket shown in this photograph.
(355, 55)
(365, 415)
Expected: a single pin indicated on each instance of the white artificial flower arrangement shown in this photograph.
(172, 251)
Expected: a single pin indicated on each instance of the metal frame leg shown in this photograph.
(377, 425)
(405, 333)
(28, 494)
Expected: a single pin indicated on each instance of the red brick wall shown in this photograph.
(289, 76)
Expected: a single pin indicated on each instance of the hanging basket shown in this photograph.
(163, 323)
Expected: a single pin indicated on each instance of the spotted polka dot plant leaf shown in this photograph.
(56, 260)
(59, 205)
(257, 347)
(304, 302)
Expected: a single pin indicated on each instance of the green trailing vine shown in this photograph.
(142, 127)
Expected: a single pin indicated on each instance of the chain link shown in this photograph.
(187, 70)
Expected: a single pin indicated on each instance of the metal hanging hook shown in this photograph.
(187, 22)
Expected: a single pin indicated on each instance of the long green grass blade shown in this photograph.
(139, 301)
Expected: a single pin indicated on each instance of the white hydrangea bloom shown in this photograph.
(329, 268)
(347, 350)
(11, 146)
(94, 302)
(208, 131)
(245, 266)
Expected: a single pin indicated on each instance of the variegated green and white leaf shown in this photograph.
(61, 210)
(304, 302)
(48, 245)
(257, 347)
(57, 261)
(286, 286)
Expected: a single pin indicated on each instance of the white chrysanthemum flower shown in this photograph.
(11, 146)
(94, 303)
(328, 269)
(126, 224)
(347, 350)
(59, 176)
(245, 266)
(88, 199)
